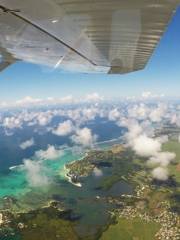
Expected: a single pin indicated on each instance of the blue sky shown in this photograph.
(161, 76)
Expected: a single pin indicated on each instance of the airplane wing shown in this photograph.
(102, 36)
(6, 59)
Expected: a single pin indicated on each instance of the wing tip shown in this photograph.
(119, 70)
(5, 64)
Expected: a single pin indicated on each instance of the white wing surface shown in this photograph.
(103, 36)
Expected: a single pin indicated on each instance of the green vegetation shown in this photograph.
(44, 228)
(131, 229)
(85, 166)
(80, 168)
(108, 182)
(139, 215)
(119, 160)
(123, 168)
(47, 224)
(174, 146)
(152, 202)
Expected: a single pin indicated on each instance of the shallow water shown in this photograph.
(86, 202)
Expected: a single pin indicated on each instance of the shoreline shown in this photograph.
(78, 184)
(66, 173)
(65, 148)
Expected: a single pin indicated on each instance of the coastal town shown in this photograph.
(168, 221)
(134, 206)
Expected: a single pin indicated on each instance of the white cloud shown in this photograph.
(28, 101)
(146, 146)
(3, 104)
(66, 100)
(74, 114)
(93, 97)
(12, 122)
(114, 114)
(44, 118)
(97, 172)
(89, 113)
(64, 128)
(162, 158)
(163, 139)
(50, 153)
(134, 129)
(140, 137)
(77, 150)
(27, 144)
(149, 129)
(158, 113)
(35, 173)
(175, 119)
(146, 94)
(139, 111)
(63, 100)
(160, 173)
(84, 137)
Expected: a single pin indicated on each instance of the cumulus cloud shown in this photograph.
(146, 94)
(146, 146)
(77, 150)
(163, 139)
(97, 172)
(28, 100)
(139, 111)
(66, 100)
(27, 144)
(160, 173)
(134, 129)
(114, 114)
(140, 119)
(162, 158)
(93, 97)
(158, 113)
(43, 118)
(64, 128)
(50, 153)
(35, 173)
(84, 137)
(175, 119)
(12, 122)
(141, 138)
(89, 113)
(3, 104)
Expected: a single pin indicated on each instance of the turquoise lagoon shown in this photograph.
(14, 182)
(87, 201)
